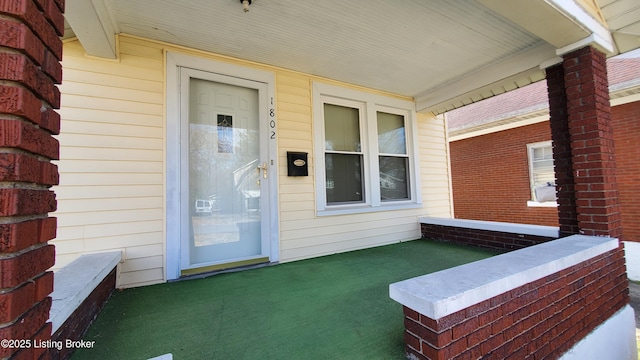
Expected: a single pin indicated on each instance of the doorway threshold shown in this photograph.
(206, 271)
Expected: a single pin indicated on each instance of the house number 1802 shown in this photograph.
(272, 121)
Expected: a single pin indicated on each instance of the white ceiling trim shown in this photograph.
(541, 18)
(509, 70)
(94, 26)
(625, 100)
(563, 23)
(600, 34)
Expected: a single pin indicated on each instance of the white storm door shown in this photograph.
(224, 200)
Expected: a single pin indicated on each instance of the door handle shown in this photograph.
(263, 167)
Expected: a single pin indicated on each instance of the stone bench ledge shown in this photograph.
(75, 281)
(445, 292)
(536, 230)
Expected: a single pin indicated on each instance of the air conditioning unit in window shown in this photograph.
(545, 193)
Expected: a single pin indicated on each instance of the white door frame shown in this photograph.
(173, 177)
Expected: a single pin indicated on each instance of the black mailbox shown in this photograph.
(297, 164)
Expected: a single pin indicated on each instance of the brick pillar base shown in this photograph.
(30, 55)
(582, 135)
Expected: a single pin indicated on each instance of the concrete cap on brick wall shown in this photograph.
(445, 292)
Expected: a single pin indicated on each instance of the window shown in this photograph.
(393, 158)
(343, 156)
(541, 174)
(364, 151)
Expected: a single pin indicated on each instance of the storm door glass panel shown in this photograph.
(223, 185)
(393, 158)
(343, 155)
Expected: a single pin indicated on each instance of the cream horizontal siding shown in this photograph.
(101, 179)
(110, 117)
(111, 192)
(327, 236)
(434, 166)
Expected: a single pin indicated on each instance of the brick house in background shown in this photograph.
(499, 182)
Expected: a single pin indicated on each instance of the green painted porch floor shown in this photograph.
(332, 307)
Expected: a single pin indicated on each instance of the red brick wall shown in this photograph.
(78, 323)
(30, 54)
(626, 135)
(542, 319)
(487, 239)
(490, 177)
(472, 184)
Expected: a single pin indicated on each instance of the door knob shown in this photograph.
(263, 167)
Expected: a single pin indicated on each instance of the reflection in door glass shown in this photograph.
(224, 183)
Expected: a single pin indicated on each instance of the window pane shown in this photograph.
(542, 153)
(394, 181)
(538, 154)
(391, 137)
(344, 178)
(341, 128)
(542, 167)
(542, 174)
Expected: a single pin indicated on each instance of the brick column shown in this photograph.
(582, 117)
(30, 55)
(558, 119)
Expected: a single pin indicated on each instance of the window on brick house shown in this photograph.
(541, 174)
(365, 152)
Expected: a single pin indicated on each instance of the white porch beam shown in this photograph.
(93, 25)
(493, 79)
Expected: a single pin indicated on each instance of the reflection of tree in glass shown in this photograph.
(393, 159)
(214, 173)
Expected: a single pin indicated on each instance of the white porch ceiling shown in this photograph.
(442, 53)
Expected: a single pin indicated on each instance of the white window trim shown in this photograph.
(533, 203)
(369, 104)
